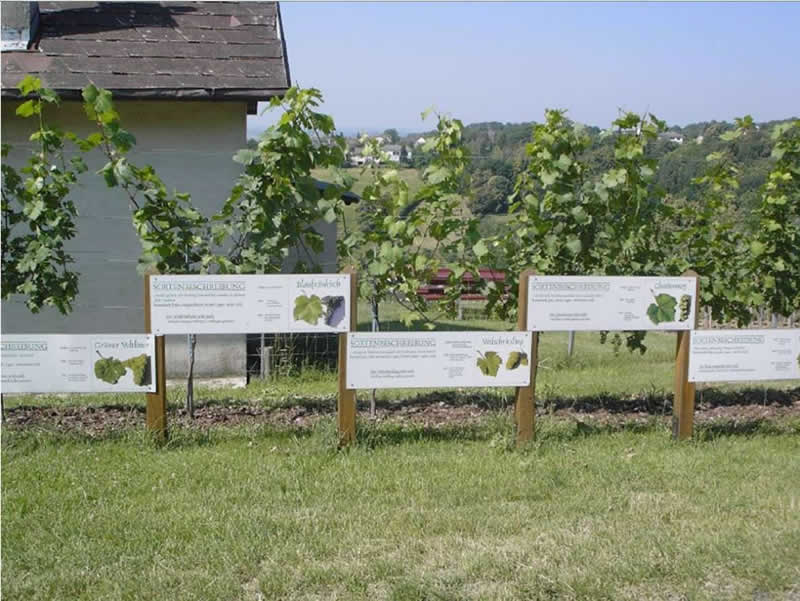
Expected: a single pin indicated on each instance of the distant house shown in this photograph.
(672, 136)
(355, 156)
(419, 142)
(185, 76)
(393, 152)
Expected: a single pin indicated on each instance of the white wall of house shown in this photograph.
(190, 144)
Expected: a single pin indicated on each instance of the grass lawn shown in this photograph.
(259, 513)
(593, 509)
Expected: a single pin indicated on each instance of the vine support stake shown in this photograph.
(346, 405)
(156, 401)
(683, 403)
(525, 400)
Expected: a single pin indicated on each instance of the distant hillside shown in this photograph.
(498, 156)
(498, 151)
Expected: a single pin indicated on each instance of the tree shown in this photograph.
(492, 196)
(404, 241)
(276, 201)
(566, 220)
(706, 237)
(38, 218)
(775, 247)
(175, 237)
(272, 206)
(391, 135)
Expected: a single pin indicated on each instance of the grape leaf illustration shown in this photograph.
(663, 310)
(515, 359)
(489, 363)
(139, 366)
(108, 369)
(334, 310)
(308, 309)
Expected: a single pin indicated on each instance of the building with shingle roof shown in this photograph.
(152, 50)
(184, 76)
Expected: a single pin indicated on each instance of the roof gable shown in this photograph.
(213, 50)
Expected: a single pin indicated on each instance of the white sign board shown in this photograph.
(78, 363)
(240, 304)
(735, 355)
(559, 303)
(438, 359)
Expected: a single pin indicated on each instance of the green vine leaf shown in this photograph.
(489, 364)
(663, 310)
(308, 309)
(109, 369)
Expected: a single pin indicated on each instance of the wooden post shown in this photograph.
(525, 401)
(683, 404)
(156, 401)
(346, 406)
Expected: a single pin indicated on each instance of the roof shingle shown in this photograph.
(225, 50)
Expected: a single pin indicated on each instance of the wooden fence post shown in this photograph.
(346, 405)
(683, 403)
(525, 401)
(156, 401)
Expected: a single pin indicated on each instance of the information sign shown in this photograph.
(438, 359)
(735, 355)
(78, 363)
(240, 304)
(559, 303)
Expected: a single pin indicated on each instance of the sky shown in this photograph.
(379, 65)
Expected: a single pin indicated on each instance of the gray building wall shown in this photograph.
(190, 144)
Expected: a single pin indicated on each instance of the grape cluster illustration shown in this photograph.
(515, 359)
(684, 307)
(139, 366)
(334, 310)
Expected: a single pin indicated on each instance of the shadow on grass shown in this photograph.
(490, 400)
(385, 435)
(25, 439)
(569, 429)
(435, 416)
(550, 431)
(656, 402)
(716, 397)
(497, 432)
(745, 427)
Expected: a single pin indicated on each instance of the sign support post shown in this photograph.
(684, 396)
(346, 405)
(525, 401)
(156, 401)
